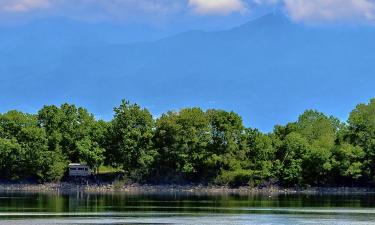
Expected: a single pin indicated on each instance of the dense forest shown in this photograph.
(190, 146)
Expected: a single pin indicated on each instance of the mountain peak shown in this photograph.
(275, 18)
(272, 20)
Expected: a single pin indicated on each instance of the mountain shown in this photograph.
(268, 70)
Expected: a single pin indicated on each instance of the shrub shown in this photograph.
(235, 178)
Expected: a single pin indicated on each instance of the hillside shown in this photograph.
(207, 69)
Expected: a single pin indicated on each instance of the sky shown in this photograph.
(189, 13)
(129, 21)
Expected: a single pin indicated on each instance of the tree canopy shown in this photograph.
(190, 145)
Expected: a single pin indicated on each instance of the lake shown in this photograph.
(181, 208)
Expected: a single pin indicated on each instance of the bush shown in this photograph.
(235, 178)
(53, 166)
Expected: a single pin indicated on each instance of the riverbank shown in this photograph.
(66, 187)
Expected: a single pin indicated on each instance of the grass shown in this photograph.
(109, 169)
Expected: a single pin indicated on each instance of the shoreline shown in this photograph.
(66, 187)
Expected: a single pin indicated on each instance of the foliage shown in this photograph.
(361, 132)
(23, 148)
(304, 156)
(130, 141)
(235, 178)
(91, 153)
(181, 140)
(347, 161)
(190, 145)
(260, 154)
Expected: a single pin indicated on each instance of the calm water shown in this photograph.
(79, 208)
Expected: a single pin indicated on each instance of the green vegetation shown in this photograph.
(191, 145)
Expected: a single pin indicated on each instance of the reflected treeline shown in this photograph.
(82, 202)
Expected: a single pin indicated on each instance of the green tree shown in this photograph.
(314, 138)
(289, 165)
(74, 132)
(181, 140)
(190, 146)
(347, 163)
(24, 145)
(227, 150)
(53, 166)
(361, 132)
(12, 158)
(130, 134)
(260, 155)
(91, 153)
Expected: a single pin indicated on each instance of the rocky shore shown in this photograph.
(66, 187)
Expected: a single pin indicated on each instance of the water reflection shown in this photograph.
(83, 202)
(184, 208)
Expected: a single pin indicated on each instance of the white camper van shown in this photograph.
(79, 170)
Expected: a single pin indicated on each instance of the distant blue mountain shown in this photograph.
(268, 70)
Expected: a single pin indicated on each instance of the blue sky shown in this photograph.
(325, 62)
(188, 13)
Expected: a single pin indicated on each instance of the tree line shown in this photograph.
(190, 146)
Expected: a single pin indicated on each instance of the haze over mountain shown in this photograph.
(269, 70)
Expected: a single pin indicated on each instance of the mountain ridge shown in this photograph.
(267, 70)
